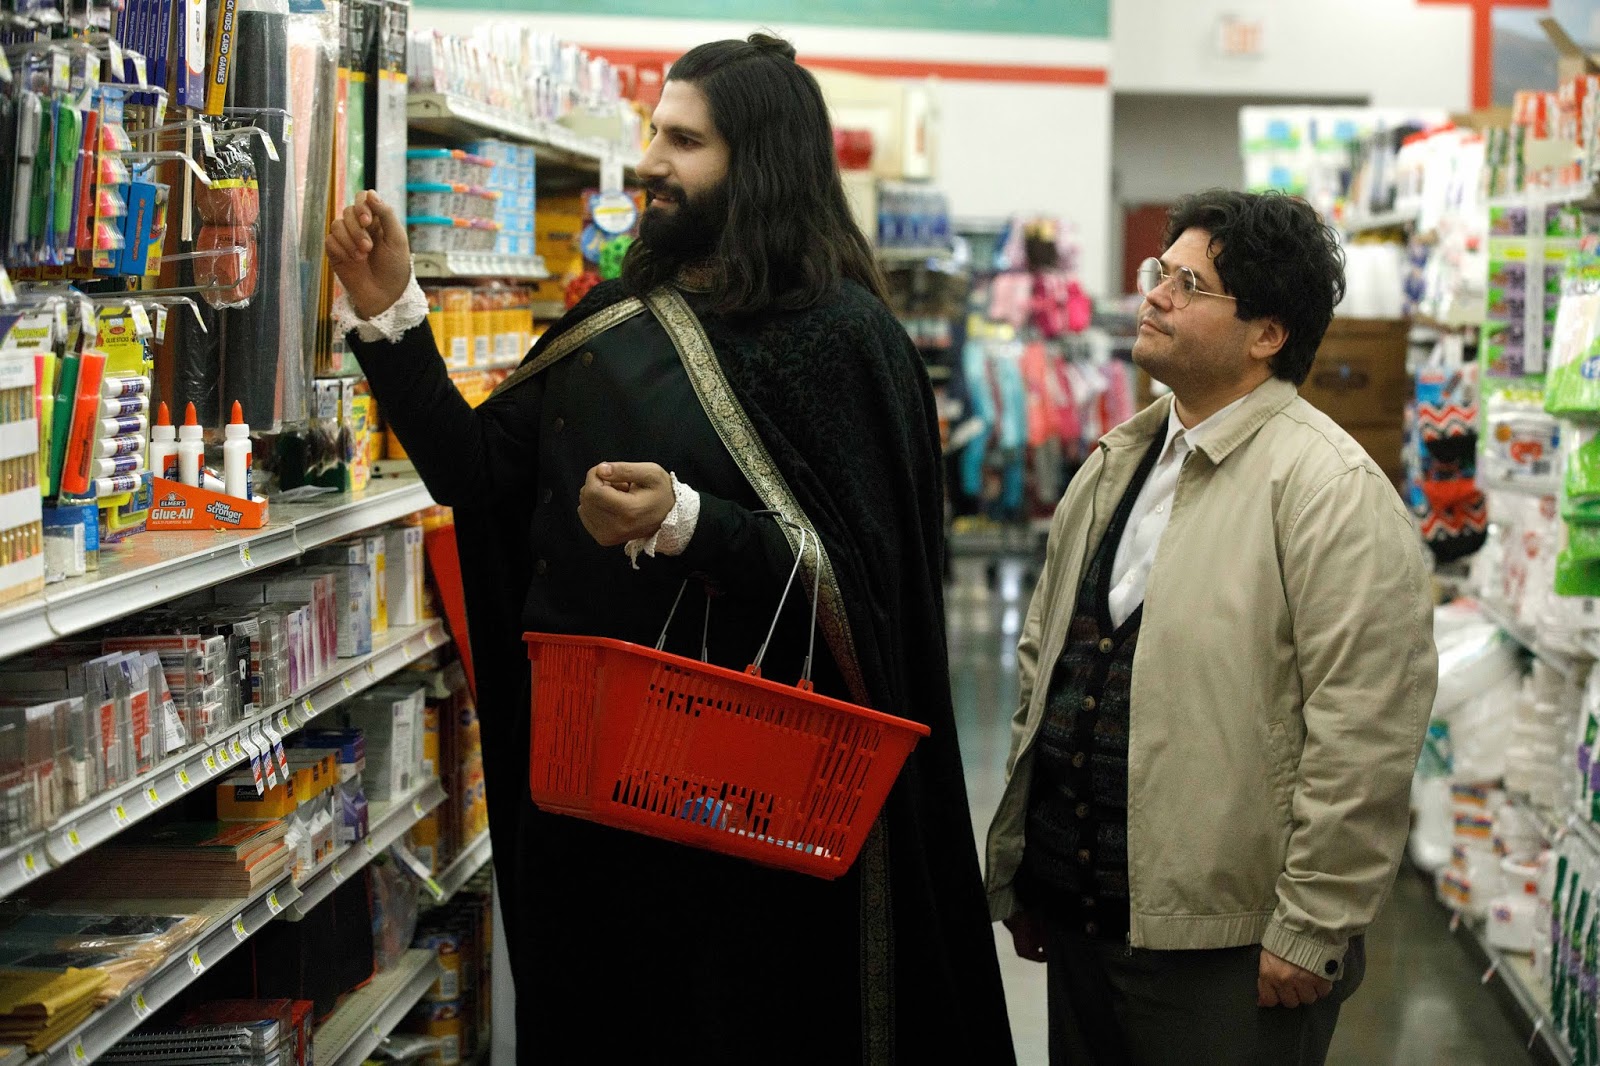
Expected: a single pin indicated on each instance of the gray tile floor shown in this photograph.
(1422, 1003)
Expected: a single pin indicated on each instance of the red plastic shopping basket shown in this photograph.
(676, 748)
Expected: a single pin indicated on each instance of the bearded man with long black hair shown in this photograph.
(744, 363)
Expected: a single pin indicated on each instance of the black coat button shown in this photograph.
(549, 494)
(542, 568)
(560, 424)
(1330, 968)
(588, 359)
(1105, 646)
(1088, 703)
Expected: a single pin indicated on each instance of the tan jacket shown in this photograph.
(1281, 687)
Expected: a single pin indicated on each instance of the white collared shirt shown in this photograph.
(1136, 552)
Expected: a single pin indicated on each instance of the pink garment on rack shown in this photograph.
(1063, 404)
(1035, 370)
(1116, 404)
(1009, 297)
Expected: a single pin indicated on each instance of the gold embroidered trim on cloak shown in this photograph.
(571, 341)
(739, 436)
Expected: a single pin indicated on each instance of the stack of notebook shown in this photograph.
(187, 860)
(39, 1007)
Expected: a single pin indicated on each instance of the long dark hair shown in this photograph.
(790, 236)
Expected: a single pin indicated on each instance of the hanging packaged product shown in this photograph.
(227, 244)
(1521, 443)
(1573, 384)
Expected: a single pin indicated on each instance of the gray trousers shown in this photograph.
(1111, 1005)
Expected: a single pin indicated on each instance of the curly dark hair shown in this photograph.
(1278, 258)
(790, 235)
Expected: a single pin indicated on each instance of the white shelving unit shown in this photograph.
(458, 117)
(387, 823)
(478, 265)
(474, 857)
(355, 1030)
(1374, 223)
(901, 256)
(158, 567)
(230, 922)
(109, 814)
(1567, 666)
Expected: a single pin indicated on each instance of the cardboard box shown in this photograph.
(405, 569)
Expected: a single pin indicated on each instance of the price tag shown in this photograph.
(119, 815)
(28, 864)
(610, 173)
(306, 708)
(277, 749)
(346, 684)
(161, 323)
(80, 1057)
(434, 889)
(8, 291)
(63, 330)
(223, 756)
(416, 646)
(74, 841)
(141, 1009)
(338, 874)
(152, 797)
(141, 69)
(211, 764)
(372, 671)
(208, 139)
(273, 905)
(284, 724)
(60, 70)
(5, 67)
(239, 931)
(119, 69)
(370, 845)
(267, 762)
(181, 779)
(239, 750)
(197, 965)
(272, 149)
(418, 809)
(141, 320)
(88, 326)
(377, 1032)
(244, 555)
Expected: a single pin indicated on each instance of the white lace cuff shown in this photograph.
(408, 312)
(676, 532)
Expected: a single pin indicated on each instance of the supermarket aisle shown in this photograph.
(1421, 1003)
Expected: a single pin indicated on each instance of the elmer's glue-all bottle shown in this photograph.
(238, 460)
(191, 449)
(164, 445)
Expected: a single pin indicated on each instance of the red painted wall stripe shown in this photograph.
(899, 68)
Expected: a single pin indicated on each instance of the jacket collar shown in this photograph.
(1268, 399)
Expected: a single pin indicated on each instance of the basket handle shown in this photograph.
(754, 669)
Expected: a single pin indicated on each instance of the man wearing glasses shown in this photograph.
(1226, 674)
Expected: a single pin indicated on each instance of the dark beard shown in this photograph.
(689, 233)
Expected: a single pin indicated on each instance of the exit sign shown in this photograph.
(1238, 36)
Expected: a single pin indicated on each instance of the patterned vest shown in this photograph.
(1075, 859)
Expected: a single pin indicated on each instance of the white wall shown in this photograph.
(1004, 146)
(1392, 52)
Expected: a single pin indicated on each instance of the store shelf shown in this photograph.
(229, 924)
(1568, 667)
(386, 824)
(473, 857)
(159, 567)
(1513, 976)
(1580, 828)
(1374, 223)
(355, 1030)
(905, 256)
(459, 118)
(108, 815)
(478, 265)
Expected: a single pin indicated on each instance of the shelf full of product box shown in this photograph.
(388, 822)
(902, 256)
(109, 814)
(156, 567)
(229, 923)
(459, 118)
(355, 1030)
(1374, 223)
(428, 265)
(1568, 667)
(474, 857)
(1512, 974)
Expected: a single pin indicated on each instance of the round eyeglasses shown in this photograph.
(1184, 285)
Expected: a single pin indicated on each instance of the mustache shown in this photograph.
(662, 187)
(1154, 321)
